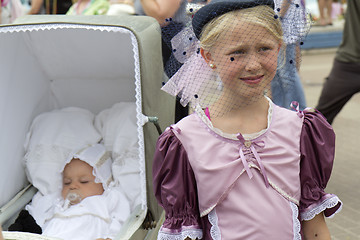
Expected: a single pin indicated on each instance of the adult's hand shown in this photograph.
(160, 9)
(35, 6)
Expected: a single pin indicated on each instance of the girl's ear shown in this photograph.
(206, 55)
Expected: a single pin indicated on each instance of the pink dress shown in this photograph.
(214, 185)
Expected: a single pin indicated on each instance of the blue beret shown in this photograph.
(219, 7)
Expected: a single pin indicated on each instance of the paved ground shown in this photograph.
(345, 180)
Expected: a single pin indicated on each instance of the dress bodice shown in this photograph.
(218, 161)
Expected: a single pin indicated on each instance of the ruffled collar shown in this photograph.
(203, 116)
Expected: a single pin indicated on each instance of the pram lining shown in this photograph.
(54, 75)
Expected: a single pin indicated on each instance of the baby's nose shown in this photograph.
(73, 186)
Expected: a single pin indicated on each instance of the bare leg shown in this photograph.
(325, 4)
(321, 4)
(329, 11)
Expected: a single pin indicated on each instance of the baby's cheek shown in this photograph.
(63, 192)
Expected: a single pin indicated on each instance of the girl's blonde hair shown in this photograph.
(261, 15)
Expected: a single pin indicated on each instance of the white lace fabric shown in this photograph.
(215, 230)
(183, 234)
(296, 222)
(326, 204)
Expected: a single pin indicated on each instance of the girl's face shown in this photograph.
(245, 58)
(79, 179)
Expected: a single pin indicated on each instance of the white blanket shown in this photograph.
(94, 217)
(118, 126)
(52, 137)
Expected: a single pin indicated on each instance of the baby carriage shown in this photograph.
(90, 62)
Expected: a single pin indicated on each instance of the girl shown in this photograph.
(241, 167)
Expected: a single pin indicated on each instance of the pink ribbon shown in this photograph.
(253, 150)
(296, 106)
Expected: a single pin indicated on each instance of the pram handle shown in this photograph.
(17, 203)
(155, 121)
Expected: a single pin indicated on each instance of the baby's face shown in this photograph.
(78, 178)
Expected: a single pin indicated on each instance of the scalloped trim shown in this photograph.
(296, 222)
(326, 204)
(215, 230)
(51, 26)
(139, 122)
(189, 233)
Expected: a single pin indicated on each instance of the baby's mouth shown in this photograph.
(73, 197)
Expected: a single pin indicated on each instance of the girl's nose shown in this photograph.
(253, 63)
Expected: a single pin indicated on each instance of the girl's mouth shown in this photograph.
(252, 79)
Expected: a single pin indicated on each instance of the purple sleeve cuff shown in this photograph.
(329, 204)
(175, 185)
(317, 146)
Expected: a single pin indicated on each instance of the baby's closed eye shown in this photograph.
(66, 182)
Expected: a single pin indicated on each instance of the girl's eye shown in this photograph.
(237, 52)
(264, 49)
(66, 183)
(84, 182)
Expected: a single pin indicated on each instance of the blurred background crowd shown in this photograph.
(322, 11)
(160, 9)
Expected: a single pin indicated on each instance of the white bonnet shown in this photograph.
(98, 158)
(52, 137)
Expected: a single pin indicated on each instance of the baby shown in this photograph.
(87, 206)
(79, 182)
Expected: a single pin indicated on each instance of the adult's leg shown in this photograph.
(328, 11)
(321, 4)
(342, 83)
(325, 18)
